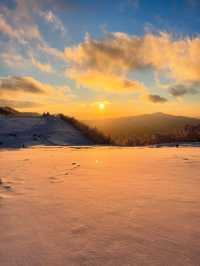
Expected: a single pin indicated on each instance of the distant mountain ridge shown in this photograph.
(143, 127)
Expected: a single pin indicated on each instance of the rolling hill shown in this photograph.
(142, 126)
(26, 129)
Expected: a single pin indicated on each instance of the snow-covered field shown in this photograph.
(63, 206)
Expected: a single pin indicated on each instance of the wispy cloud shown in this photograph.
(51, 51)
(47, 68)
(13, 59)
(18, 23)
(20, 27)
(6, 28)
(53, 20)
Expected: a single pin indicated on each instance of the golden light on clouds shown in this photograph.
(106, 63)
(100, 81)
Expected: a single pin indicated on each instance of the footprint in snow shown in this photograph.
(54, 179)
(5, 186)
(75, 165)
(57, 181)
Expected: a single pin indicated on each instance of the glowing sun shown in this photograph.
(101, 106)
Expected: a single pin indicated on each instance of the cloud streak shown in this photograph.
(18, 23)
(13, 59)
(20, 84)
(7, 29)
(46, 68)
(29, 92)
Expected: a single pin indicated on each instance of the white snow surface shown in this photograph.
(63, 206)
(18, 131)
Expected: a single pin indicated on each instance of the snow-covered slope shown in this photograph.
(19, 131)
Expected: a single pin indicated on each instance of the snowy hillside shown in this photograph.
(20, 131)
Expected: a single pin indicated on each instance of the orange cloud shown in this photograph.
(30, 92)
(119, 54)
(20, 84)
(108, 82)
(180, 58)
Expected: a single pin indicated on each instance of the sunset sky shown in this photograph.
(97, 59)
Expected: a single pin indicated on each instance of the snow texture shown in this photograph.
(99, 206)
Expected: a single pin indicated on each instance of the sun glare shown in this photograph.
(101, 106)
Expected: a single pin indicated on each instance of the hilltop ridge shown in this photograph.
(29, 129)
(145, 129)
